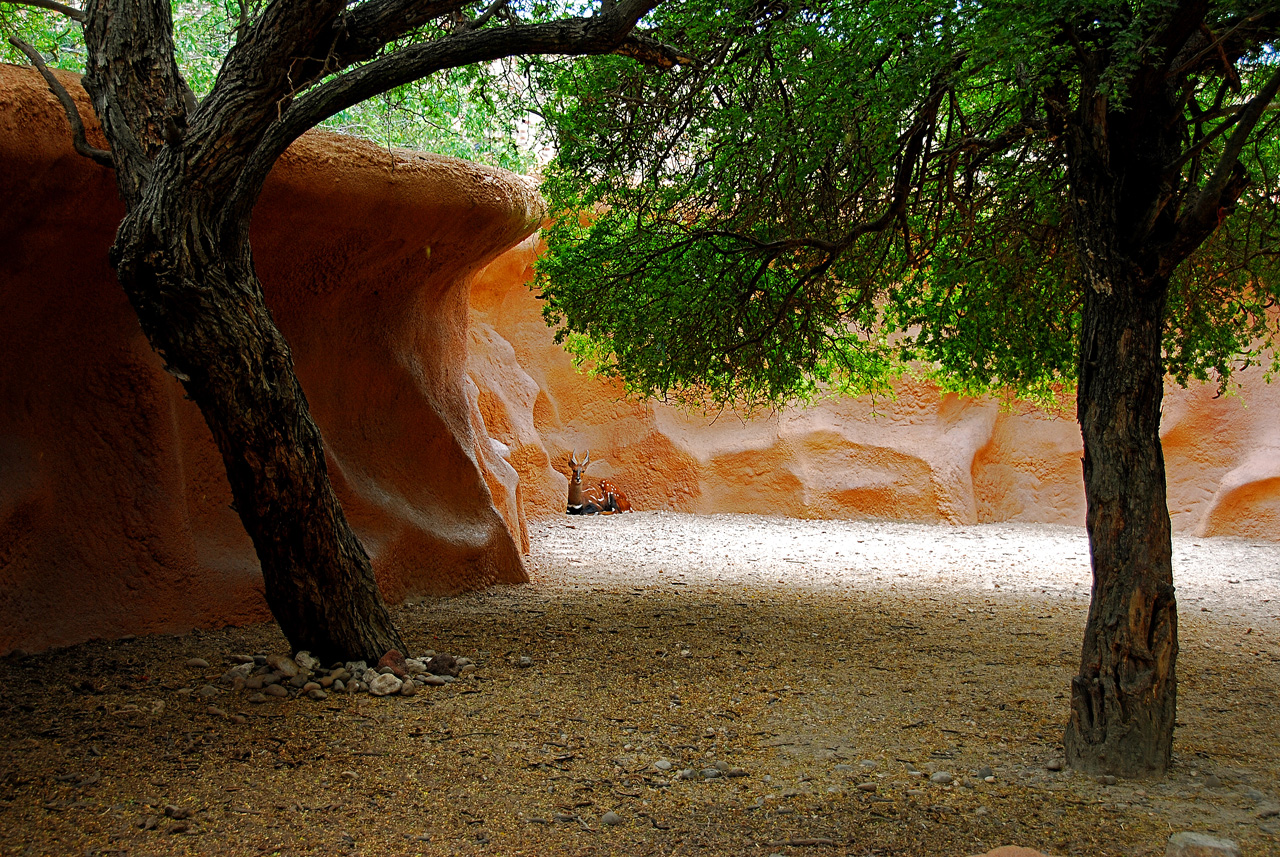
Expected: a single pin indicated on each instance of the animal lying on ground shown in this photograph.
(604, 498)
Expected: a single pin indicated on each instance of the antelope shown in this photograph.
(601, 499)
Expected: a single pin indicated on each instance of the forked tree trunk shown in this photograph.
(1123, 700)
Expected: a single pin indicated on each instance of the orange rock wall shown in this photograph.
(922, 456)
(114, 509)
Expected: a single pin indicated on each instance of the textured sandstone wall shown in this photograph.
(923, 456)
(114, 510)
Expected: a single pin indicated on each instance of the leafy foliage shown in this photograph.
(824, 194)
(450, 113)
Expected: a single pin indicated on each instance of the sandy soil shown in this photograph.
(829, 663)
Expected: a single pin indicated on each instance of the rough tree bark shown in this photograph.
(1123, 700)
(1136, 220)
(189, 176)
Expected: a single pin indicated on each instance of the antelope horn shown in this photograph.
(588, 458)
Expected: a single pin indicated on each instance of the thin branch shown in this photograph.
(78, 140)
(1204, 214)
(53, 6)
(484, 17)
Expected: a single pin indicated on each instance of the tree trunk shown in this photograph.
(1123, 700)
(204, 313)
(183, 258)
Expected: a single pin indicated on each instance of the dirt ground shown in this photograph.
(831, 667)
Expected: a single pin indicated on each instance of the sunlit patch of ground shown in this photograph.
(825, 660)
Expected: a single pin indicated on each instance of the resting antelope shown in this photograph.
(601, 499)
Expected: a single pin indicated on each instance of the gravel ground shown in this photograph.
(866, 688)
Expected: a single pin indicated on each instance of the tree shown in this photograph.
(189, 172)
(1020, 195)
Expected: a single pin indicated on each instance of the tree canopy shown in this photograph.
(828, 192)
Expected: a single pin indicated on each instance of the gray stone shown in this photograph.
(434, 680)
(524, 661)
(209, 691)
(942, 778)
(310, 686)
(355, 667)
(339, 686)
(413, 666)
(663, 765)
(317, 694)
(275, 690)
(306, 661)
(1188, 844)
(844, 769)
(197, 663)
(711, 773)
(611, 818)
(687, 774)
(722, 766)
(284, 665)
(409, 688)
(867, 763)
(985, 772)
(299, 681)
(242, 671)
(385, 684)
(257, 697)
(1269, 810)
(866, 787)
(240, 659)
(1054, 765)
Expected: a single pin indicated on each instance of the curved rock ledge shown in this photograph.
(114, 509)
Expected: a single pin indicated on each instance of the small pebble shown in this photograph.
(866, 787)
(317, 694)
(1190, 844)
(275, 690)
(385, 684)
(663, 765)
(198, 663)
(942, 778)
(209, 691)
(1054, 765)
(256, 697)
(1106, 780)
(611, 818)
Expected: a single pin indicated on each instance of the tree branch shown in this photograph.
(53, 6)
(574, 36)
(1225, 184)
(649, 51)
(78, 140)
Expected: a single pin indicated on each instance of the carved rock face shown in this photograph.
(114, 509)
(924, 456)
